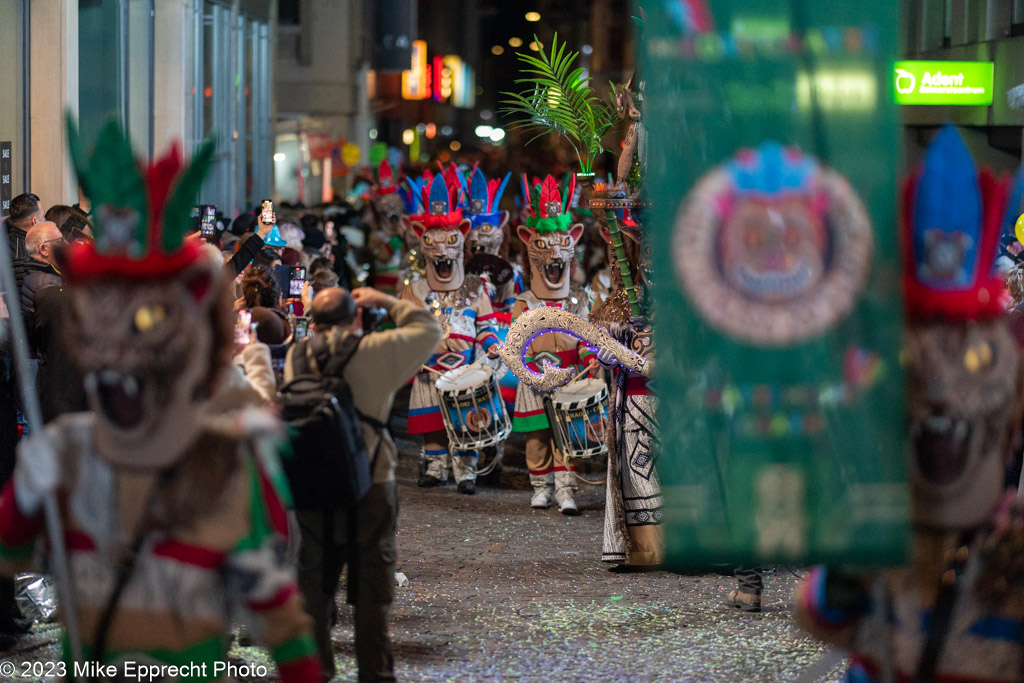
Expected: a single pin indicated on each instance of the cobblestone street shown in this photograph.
(498, 591)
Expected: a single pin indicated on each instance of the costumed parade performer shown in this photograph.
(633, 502)
(954, 614)
(173, 515)
(486, 243)
(462, 307)
(550, 238)
(387, 244)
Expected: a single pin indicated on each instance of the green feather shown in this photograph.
(177, 220)
(110, 176)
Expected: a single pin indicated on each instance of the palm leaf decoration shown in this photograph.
(559, 99)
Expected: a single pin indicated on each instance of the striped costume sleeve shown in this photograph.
(270, 587)
(485, 333)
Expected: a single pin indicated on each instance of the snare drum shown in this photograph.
(578, 414)
(474, 414)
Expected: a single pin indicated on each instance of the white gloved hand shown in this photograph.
(606, 358)
(35, 474)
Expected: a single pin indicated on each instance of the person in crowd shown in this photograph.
(174, 503)
(24, 212)
(12, 625)
(43, 242)
(261, 294)
(382, 362)
(76, 227)
(57, 214)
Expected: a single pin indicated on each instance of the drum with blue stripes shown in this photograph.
(578, 415)
(473, 411)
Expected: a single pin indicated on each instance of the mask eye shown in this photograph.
(541, 244)
(452, 239)
(978, 357)
(485, 228)
(148, 317)
(427, 241)
(565, 241)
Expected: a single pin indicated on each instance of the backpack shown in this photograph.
(328, 468)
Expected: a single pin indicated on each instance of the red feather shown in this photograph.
(159, 178)
(492, 187)
(549, 193)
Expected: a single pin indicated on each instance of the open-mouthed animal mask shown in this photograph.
(963, 388)
(487, 237)
(146, 350)
(551, 255)
(443, 250)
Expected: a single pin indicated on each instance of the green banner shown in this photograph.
(957, 83)
(773, 155)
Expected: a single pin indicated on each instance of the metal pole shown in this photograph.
(123, 76)
(26, 98)
(151, 38)
(30, 404)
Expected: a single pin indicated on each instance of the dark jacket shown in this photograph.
(38, 276)
(16, 241)
(58, 381)
(247, 251)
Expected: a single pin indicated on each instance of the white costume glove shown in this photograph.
(606, 358)
(35, 474)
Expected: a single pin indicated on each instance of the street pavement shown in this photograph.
(500, 592)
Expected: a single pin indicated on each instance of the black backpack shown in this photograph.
(328, 467)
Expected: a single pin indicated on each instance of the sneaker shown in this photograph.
(541, 499)
(748, 602)
(566, 504)
(429, 480)
(467, 486)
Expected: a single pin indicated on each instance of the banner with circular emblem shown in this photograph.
(773, 155)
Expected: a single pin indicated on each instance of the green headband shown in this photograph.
(557, 223)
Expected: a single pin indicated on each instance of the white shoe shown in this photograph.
(541, 499)
(565, 502)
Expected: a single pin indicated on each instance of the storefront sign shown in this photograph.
(5, 178)
(957, 83)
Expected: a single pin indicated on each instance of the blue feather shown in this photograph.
(500, 191)
(439, 193)
(947, 213)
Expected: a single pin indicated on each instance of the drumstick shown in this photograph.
(578, 375)
(436, 372)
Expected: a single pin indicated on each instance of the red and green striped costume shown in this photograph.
(217, 551)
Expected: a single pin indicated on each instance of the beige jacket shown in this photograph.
(384, 362)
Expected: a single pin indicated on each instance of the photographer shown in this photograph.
(382, 362)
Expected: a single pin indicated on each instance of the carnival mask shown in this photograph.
(442, 234)
(389, 209)
(487, 237)
(444, 253)
(551, 255)
(963, 387)
(147, 350)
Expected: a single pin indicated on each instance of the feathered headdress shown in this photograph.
(141, 214)
(484, 198)
(952, 218)
(547, 210)
(439, 201)
(386, 181)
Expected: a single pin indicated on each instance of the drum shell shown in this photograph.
(578, 425)
(474, 417)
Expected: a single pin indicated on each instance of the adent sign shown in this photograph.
(967, 83)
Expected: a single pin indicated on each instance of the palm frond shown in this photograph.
(559, 99)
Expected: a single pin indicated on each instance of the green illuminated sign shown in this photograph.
(965, 83)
